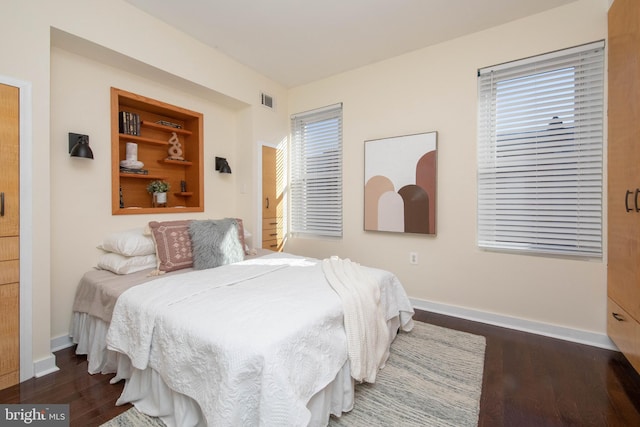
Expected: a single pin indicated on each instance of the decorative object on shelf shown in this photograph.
(79, 146)
(121, 199)
(175, 151)
(183, 186)
(400, 184)
(159, 200)
(222, 165)
(158, 190)
(131, 151)
(158, 186)
(170, 124)
(131, 160)
(134, 171)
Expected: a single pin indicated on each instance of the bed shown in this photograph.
(274, 339)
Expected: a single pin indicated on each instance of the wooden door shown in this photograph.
(9, 236)
(623, 271)
(271, 201)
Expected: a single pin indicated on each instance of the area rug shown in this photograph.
(433, 378)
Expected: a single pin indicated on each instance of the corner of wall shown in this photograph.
(45, 366)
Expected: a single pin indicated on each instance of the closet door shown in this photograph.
(9, 237)
(623, 271)
(271, 201)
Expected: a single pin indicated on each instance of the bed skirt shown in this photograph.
(147, 391)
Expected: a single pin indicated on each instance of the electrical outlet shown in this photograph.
(413, 257)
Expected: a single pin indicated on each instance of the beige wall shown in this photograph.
(431, 89)
(92, 42)
(80, 194)
(434, 89)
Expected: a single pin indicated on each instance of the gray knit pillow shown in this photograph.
(215, 243)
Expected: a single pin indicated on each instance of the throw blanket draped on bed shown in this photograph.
(364, 318)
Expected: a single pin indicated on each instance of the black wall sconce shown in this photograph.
(222, 165)
(79, 146)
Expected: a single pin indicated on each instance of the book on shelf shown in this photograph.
(134, 171)
(170, 124)
(129, 123)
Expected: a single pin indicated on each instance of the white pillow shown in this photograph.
(129, 243)
(120, 264)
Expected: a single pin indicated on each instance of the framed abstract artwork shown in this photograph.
(400, 184)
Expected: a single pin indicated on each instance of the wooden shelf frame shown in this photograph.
(153, 145)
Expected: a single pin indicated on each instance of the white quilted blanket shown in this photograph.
(250, 342)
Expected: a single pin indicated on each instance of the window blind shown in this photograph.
(540, 132)
(316, 172)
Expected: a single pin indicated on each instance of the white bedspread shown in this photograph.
(250, 342)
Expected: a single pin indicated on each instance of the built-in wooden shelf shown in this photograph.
(129, 191)
(143, 140)
(175, 162)
(141, 176)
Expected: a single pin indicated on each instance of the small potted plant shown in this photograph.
(158, 189)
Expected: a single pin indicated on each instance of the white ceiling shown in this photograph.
(296, 41)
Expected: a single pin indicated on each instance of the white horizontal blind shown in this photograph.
(540, 131)
(316, 172)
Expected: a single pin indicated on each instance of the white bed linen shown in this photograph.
(282, 369)
(269, 344)
(144, 310)
(149, 394)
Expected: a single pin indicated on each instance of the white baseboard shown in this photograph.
(45, 366)
(553, 331)
(48, 365)
(61, 342)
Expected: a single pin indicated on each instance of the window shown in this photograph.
(316, 172)
(540, 131)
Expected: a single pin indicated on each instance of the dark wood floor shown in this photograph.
(529, 380)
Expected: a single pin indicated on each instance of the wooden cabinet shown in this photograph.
(155, 127)
(272, 231)
(272, 237)
(9, 236)
(623, 269)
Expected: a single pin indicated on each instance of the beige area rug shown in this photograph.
(433, 378)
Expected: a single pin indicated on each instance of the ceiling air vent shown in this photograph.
(266, 100)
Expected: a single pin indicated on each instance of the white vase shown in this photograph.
(131, 151)
(160, 198)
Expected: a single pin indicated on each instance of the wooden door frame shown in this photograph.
(26, 225)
